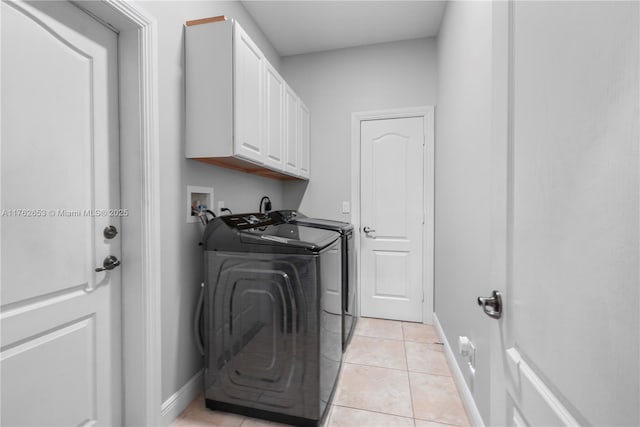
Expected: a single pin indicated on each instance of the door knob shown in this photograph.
(368, 230)
(492, 305)
(109, 263)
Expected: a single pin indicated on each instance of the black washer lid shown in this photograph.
(261, 233)
(290, 235)
(327, 224)
(286, 215)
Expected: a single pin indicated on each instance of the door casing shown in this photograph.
(137, 70)
(139, 142)
(427, 113)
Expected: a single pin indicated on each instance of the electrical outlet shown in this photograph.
(472, 370)
(220, 206)
(346, 208)
(467, 349)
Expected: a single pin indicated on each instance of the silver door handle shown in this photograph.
(368, 230)
(492, 305)
(109, 263)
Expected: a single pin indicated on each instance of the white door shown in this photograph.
(569, 339)
(392, 215)
(248, 106)
(60, 353)
(291, 130)
(274, 118)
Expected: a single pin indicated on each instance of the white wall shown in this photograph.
(463, 183)
(337, 83)
(181, 255)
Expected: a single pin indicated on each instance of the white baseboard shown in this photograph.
(467, 397)
(178, 402)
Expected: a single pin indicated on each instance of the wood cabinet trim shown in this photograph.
(205, 20)
(238, 164)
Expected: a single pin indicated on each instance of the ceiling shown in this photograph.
(295, 27)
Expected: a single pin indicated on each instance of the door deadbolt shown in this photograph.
(110, 232)
(109, 263)
(492, 305)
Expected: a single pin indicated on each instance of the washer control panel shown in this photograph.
(249, 220)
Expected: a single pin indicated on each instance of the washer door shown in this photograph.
(258, 355)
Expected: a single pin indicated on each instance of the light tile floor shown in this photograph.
(394, 374)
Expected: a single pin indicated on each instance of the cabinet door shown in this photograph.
(274, 118)
(303, 140)
(248, 68)
(291, 131)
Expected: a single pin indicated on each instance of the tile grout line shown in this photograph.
(401, 341)
(379, 367)
(406, 361)
(429, 373)
(450, 375)
(380, 338)
(399, 322)
(397, 345)
(429, 348)
(424, 373)
(439, 422)
(375, 412)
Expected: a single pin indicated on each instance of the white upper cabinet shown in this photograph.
(296, 137)
(240, 113)
(248, 89)
(291, 131)
(274, 118)
(303, 140)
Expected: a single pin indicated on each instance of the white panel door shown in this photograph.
(303, 140)
(60, 352)
(274, 118)
(248, 108)
(291, 131)
(569, 270)
(392, 209)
